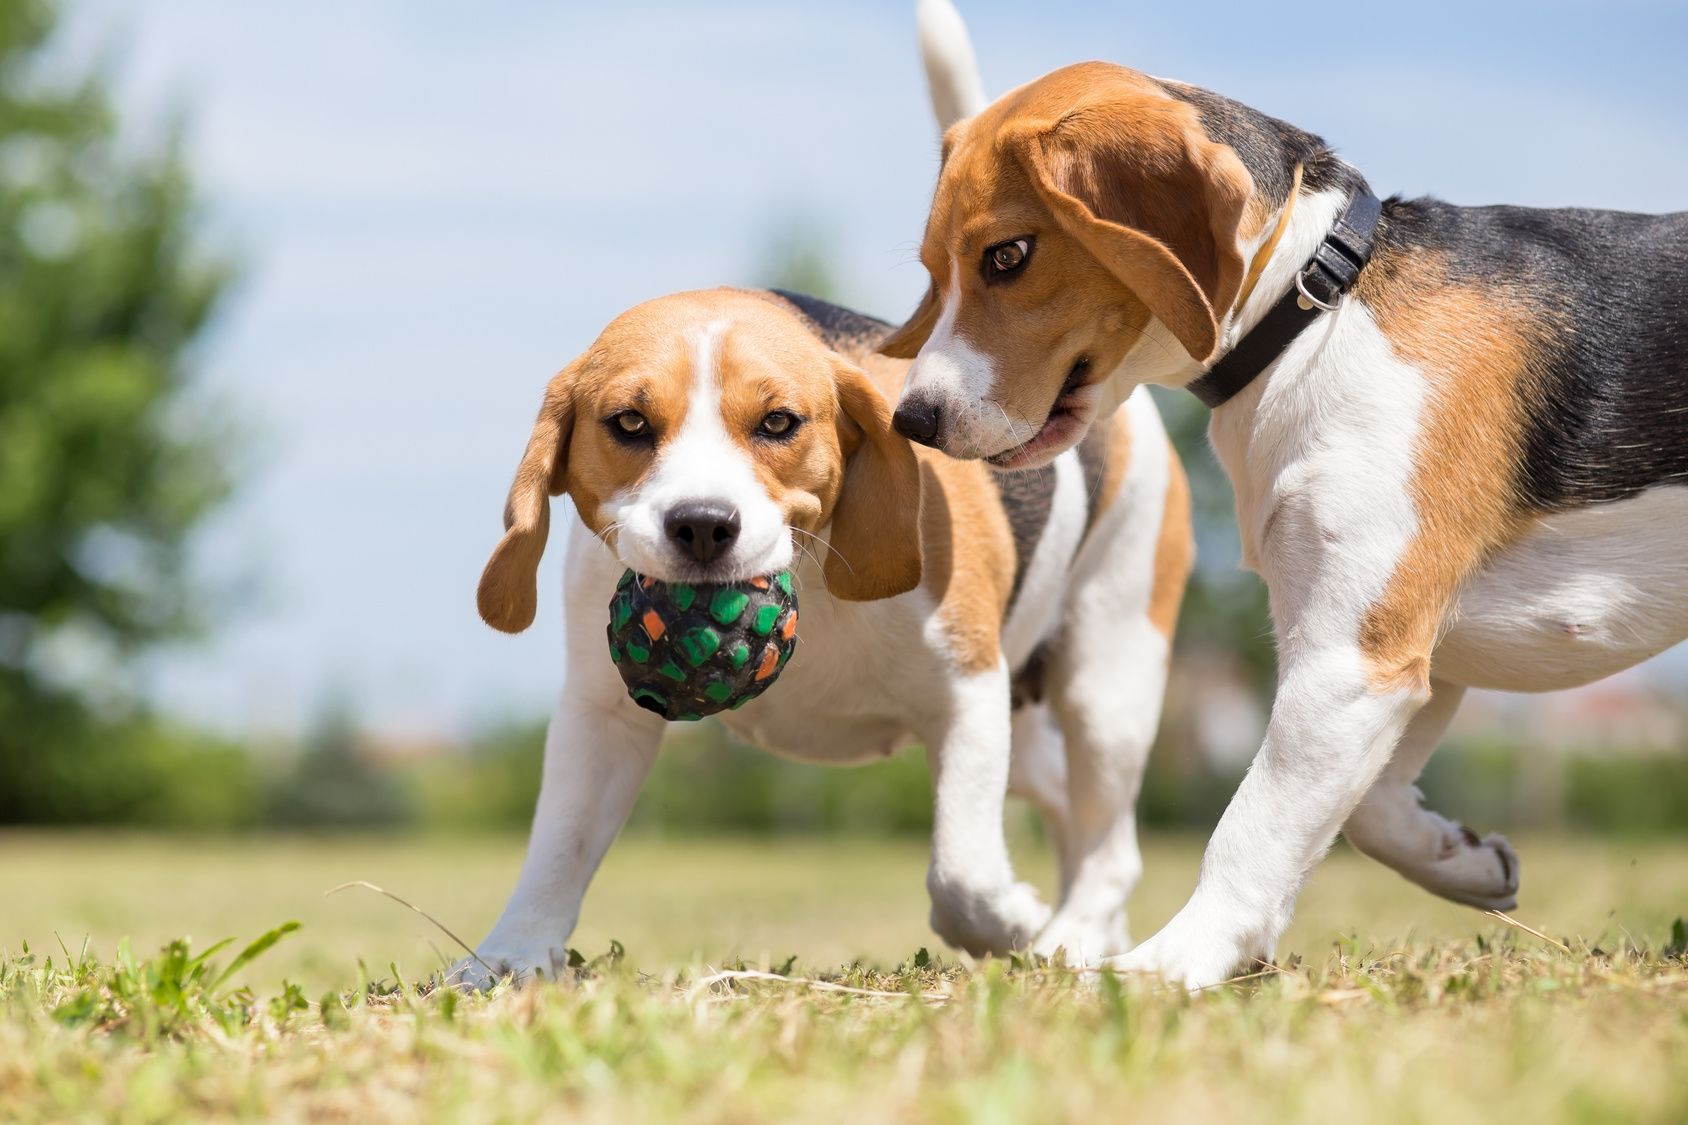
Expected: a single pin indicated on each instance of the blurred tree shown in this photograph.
(334, 782)
(103, 287)
(797, 256)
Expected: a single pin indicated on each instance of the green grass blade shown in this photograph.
(252, 952)
(207, 954)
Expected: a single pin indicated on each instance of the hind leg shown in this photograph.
(1392, 825)
(1106, 696)
(1037, 773)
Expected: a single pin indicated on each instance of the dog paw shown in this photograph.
(491, 965)
(987, 920)
(1480, 871)
(1194, 965)
(1083, 943)
(1200, 948)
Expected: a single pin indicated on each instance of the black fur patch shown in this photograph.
(1270, 149)
(1030, 682)
(849, 333)
(1027, 495)
(1607, 395)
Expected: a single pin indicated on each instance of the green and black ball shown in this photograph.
(690, 649)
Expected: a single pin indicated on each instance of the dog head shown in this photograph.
(1084, 232)
(700, 436)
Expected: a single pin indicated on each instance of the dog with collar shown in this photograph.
(1017, 627)
(1458, 436)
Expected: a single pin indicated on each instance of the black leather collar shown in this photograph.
(1331, 272)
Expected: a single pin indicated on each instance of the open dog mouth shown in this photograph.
(1066, 422)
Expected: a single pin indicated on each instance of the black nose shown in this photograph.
(917, 419)
(702, 529)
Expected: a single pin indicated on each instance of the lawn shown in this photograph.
(1392, 1006)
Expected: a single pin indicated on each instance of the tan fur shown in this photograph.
(1116, 460)
(506, 597)
(1474, 348)
(1175, 551)
(969, 557)
(875, 541)
(1135, 211)
(845, 465)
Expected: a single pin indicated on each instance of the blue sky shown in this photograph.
(441, 203)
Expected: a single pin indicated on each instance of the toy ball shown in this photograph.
(690, 649)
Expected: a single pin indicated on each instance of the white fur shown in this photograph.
(952, 73)
(1108, 721)
(977, 904)
(869, 677)
(1037, 611)
(1309, 221)
(701, 462)
(1581, 595)
(1320, 450)
(1321, 455)
(949, 371)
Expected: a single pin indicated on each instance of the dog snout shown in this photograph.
(703, 530)
(919, 418)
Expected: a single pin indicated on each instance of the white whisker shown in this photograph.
(822, 542)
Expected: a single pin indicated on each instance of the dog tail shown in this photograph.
(952, 73)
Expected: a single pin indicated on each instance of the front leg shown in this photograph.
(1331, 733)
(977, 904)
(597, 754)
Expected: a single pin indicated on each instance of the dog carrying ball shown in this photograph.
(690, 649)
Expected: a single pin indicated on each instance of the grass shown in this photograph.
(1393, 1006)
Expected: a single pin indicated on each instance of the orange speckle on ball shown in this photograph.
(770, 662)
(654, 626)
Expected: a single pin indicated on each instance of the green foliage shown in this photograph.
(332, 783)
(59, 765)
(798, 256)
(174, 995)
(1634, 795)
(104, 285)
(148, 773)
(490, 784)
(704, 781)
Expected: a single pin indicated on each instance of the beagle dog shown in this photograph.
(1017, 627)
(1458, 436)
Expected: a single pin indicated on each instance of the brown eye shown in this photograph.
(778, 424)
(1006, 257)
(630, 424)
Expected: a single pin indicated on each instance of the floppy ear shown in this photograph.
(876, 521)
(508, 595)
(1157, 203)
(906, 342)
